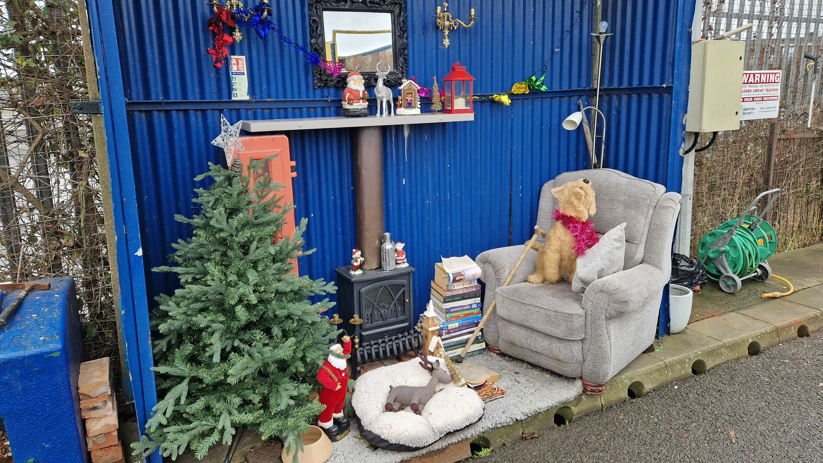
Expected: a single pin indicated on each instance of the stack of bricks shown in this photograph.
(99, 408)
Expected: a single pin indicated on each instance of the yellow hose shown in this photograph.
(776, 295)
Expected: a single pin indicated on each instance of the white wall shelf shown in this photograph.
(341, 122)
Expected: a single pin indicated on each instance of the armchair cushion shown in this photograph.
(551, 309)
(561, 356)
(603, 259)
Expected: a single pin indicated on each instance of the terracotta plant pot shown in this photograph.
(317, 448)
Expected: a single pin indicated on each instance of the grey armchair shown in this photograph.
(592, 338)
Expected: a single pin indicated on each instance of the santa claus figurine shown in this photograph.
(354, 97)
(332, 376)
(400, 255)
(356, 262)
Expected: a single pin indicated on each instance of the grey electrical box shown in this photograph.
(716, 86)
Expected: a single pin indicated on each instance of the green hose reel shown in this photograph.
(738, 249)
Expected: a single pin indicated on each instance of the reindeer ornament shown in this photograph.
(382, 93)
(416, 397)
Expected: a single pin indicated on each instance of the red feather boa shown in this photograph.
(583, 231)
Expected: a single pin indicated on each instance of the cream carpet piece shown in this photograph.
(529, 390)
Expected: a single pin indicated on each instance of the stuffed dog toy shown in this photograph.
(570, 236)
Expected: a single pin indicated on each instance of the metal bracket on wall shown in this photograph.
(85, 107)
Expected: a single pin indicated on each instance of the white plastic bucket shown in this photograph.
(680, 307)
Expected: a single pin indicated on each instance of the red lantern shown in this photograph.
(459, 89)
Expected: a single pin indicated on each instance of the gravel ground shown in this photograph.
(758, 409)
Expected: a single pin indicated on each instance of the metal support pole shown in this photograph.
(102, 157)
(367, 170)
(683, 236)
(771, 153)
(598, 164)
(811, 99)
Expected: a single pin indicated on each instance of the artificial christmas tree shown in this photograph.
(241, 343)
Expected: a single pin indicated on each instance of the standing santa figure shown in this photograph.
(332, 376)
(354, 97)
(400, 255)
(356, 262)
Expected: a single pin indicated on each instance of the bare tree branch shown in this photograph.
(5, 178)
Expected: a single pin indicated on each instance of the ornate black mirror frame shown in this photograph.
(397, 8)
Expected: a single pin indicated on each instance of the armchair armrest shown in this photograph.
(621, 320)
(495, 265)
(626, 291)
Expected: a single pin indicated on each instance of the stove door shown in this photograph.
(385, 309)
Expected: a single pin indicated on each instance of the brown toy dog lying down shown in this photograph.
(570, 236)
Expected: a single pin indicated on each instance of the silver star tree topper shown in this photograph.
(229, 139)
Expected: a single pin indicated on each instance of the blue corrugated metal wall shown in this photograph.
(446, 186)
(450, 189)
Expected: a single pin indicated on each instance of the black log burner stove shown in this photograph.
(376, 309)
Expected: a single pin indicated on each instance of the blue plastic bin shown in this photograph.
(40, 355)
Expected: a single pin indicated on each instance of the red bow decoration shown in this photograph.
(224, 15)
(219, 53)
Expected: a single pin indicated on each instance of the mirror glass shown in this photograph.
(358, 38)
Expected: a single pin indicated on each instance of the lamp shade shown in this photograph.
(573, 120)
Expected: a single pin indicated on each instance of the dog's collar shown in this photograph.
(582, 230)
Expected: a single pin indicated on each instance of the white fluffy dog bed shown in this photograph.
(452, 408)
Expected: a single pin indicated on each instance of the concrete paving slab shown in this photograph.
(681, 351)
(800, 266)
(739, 333)
(639, 377)
(712, 301)
(811, 297)
(787, 316)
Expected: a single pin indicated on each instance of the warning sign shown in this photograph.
(761, 95)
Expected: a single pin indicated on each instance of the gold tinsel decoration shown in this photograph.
(520, 88)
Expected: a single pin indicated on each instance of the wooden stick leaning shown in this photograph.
(459, 358)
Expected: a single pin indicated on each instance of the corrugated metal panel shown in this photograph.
(640, 52)
(165, 55)
(450, 189)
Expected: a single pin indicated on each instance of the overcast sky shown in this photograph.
(352, 44)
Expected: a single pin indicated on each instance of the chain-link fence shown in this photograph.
(51, 217)
(743, 163)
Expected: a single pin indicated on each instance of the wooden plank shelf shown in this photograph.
(342, 122)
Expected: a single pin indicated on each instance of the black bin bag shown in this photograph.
(687, 272)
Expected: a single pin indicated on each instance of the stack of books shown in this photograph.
(455, 297)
